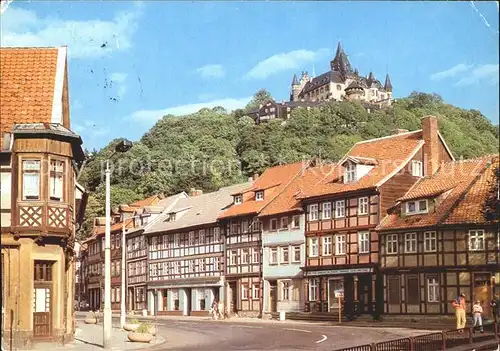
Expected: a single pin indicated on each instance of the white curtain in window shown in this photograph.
(31, 184)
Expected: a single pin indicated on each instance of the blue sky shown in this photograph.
(132, 62)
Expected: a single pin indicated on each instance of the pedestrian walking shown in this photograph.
(477, 313)
(460, 308)
(495, 307)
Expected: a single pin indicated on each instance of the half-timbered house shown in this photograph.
(345, 204)
(186, 251)
(437, 242)
(40, 201)
(243, 238)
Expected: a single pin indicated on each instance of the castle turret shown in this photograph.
(296, 88)
(370, 79)
(388, 84)
(340, 62)
(354, 91)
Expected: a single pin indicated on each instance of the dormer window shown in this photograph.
(259, 196)
(171, 217)
(350, 172)
(238, 199)
(416, 169)
(416, 207)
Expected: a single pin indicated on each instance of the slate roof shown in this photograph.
(387, 152)
(197, 210)
(279, 177)
(468, 180)
(27, 82)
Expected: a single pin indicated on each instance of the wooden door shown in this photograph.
(333, 301)
(42, 299)
(272, 297)
(482, 292)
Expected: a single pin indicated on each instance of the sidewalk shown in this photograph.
(89, 337)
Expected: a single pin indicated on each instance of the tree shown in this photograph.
(259, 98)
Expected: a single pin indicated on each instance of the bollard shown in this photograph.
(282, 316)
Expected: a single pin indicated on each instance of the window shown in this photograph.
(273, 224)
(363, 206)
(284, 255)
(244, 226)
(313, 289)
(412, 290)
(327, 210)
(416, 169)
(296, 222)
(285, 290)
(350, 172)
(430, 241)
(313, 212)
(259, 196)
(238, 199)
(313, 247)
(56, 180)
(394, 289)
(339, 88)
(327, 245)
(255, 255)
(244, 256)
(364, 242)
(392, 244)
(255, 291)
(232, 257)
(410, 242)
(476, 240)
(340, 244)
(244, 291)
(31, 179)
(339, 209)
(273, 255)
(296, 253)
(416, 207)
(284, 223)
(432, 289)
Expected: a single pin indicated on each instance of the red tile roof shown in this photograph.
(389, 153)
(470, 179)
(27, 82)
(273, 181)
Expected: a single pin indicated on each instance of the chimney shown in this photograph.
(256, 176)
(398, 131)
(431, 144)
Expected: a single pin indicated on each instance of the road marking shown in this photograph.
(324, 338)
(246, 326)
(300, 330)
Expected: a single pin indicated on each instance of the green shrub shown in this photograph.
(134, 321)
(143, 328)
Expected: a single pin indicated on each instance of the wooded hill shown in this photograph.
(213, 148)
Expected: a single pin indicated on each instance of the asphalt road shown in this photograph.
(220, 336)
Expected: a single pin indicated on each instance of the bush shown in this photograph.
(90, 315)
(134, 321)
(143, 328)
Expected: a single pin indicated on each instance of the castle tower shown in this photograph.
(354, 91)
(388, 85)
(294, 95)
(340, 62)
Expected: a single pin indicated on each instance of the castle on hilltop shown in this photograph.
(342, 82)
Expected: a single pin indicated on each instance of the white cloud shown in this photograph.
(481, 74)
(284, 61)
(211, 71)
(118, 77)
(85, 38)
(154, 115)
(452, 72)
(465, 75)
(118, 80)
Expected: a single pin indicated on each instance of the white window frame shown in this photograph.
(282, 254)
(233, 254)
(410, 242)
(56, 180)
(340, 244)
(245, 256)
(418, 207)
(313, 289)
(255, 255)
(275, 221)
(244, 291)
(297, 248)
(285, 290)
(417, 169)
(283, 220)
(294, 218)
(340, 209)
(326, 247)
(350, 172)
(313, 212)
(259, 195)
(476, 236)
(432, 289)
(238, 199)
(273, 251)
(364, 242)
(35, 171)
(363, 205)
(313, 243)
(326, 212)
(255, 291)
(391, 244)
(429, 240)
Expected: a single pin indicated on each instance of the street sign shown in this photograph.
(339, 293)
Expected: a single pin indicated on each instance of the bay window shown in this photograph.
(31, 179)
(56, 183)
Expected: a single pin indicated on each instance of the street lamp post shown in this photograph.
(123, 146)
